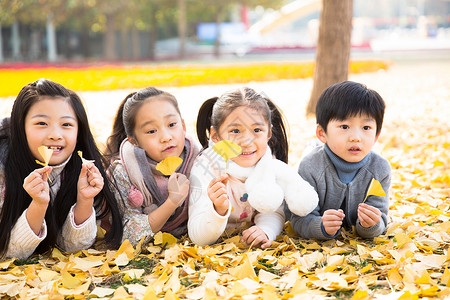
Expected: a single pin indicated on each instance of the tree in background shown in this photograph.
(333, 47)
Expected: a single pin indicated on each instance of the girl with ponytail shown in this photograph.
(256, 182)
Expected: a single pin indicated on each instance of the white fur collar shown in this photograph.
(270, 182)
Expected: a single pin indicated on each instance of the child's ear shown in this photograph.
(270, 133)
(132, 140)
(214, 135)
(320, 133)
(184, 125)
(378, 135)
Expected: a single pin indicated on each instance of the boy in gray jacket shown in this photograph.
(349, 119)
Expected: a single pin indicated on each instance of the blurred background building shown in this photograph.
(124, 30)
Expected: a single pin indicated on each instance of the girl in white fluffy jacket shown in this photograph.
(256, 182)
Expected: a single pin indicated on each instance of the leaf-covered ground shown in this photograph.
(410, 261)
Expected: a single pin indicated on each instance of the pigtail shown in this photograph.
(204, 121)
(118, 133)
(278, 143)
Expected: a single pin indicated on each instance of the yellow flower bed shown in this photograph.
(132, 76)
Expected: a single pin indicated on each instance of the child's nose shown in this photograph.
(355, 136)
(165, 136)
(55, 134)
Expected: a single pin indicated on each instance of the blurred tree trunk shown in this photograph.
(109, 44)
(153, 33)
(84, 41)
(52, 53)
(219, 19)
(15, 41)
(124, 41)
(136, 51)
(182, 28)
(1, 44)
(333, 47)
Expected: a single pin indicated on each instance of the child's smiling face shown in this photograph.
(52, 122)
(159, 129)
(247, 128)
(350, 139)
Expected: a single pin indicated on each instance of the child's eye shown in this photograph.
(152, 131)
(258, 130)
(235, 131)
(67, 125)
(344, 126)
(366, 127)
(41, 123)
(173, 124)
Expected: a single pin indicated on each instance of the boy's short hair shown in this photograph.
(349, 99)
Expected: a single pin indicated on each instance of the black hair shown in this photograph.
(349, 99)
(214, 111)
(19, 163)
(125, 119)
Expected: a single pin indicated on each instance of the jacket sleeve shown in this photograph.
(380, 202)
(135, 221)
(23, 241)
(309, 226)
(205, 225)
(271, 223)
(78, 237)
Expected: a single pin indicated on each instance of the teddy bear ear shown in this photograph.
(135, 197)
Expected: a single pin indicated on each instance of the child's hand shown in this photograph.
(178, 187)
(217, 192)
(90, 182)
(332, 220)
(36, 185)
(256, 236)
(368, 215)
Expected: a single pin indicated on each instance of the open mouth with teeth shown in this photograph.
(54, 148)
(247, 153)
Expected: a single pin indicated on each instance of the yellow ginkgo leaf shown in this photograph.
(161, 238)
(375, 189)
(227, 149)
(46, 153)
(80, 154)
(169, 165)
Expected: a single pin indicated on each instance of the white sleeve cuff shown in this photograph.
(23, 241)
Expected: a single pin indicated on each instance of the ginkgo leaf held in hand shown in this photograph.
(168, 165)
(46, 154)
(227, 149)
(83, 160)
(375, 189)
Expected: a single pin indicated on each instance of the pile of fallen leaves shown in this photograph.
(410, 261)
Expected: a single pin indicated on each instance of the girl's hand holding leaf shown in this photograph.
(217, 193)
(90, 182)
(37, 187)
(178, 187)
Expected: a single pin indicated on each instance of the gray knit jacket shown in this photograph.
(319, 171)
